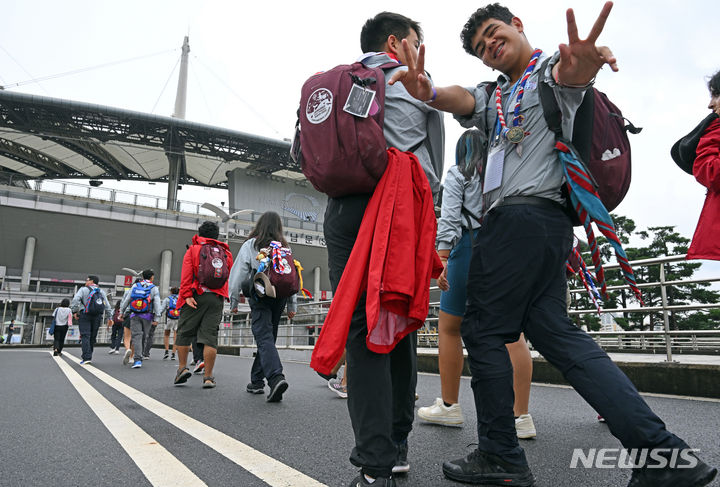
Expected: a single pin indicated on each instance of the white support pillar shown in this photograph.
(316, 283)
(165, 270)
(27, 264)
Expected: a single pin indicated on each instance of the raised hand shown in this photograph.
(581, 59)
(414, 79)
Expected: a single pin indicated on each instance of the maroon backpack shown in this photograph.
(280, 270)
(341, 153)
(213, 267)
(599, 139)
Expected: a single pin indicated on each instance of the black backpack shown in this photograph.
(95, 303)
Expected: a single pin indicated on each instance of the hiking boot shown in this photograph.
(126, 357)
(360, 481)
(277, 389)
(336, 386)
(681, 476)
(525, 427)
(182, 376)
(167, 354)
(487, 469)
(137, 364)
(199, 368)
(255, 388)
(401, 463)
(439, 413)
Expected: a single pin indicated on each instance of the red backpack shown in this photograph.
(342, 153)
(213, 269)
(279, 267)
(599, 138)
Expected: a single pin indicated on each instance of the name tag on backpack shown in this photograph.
(359, 101)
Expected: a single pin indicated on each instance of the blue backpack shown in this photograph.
(172, 312)
(95, 304)
(141, 297)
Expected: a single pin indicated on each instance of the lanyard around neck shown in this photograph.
(500, 125)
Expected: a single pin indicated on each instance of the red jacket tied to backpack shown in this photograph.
(189, 282)
(706, 169)
(393, 260)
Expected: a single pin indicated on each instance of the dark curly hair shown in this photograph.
(376, 30)
(490, 11)
(714, 84)
(209, 229)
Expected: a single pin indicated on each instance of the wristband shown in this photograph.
(433, 97)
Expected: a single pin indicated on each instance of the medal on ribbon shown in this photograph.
(516, 133)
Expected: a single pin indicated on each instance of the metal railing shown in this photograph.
(155, 202)
(303, 330)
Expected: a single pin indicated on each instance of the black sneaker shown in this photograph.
(360, 481)
(255, 388)
(401, 462)
(167, 354)
(698, 476)
(487, 469)
(277, 390)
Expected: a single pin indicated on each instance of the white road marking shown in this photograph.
(266, 468)
(157, 464)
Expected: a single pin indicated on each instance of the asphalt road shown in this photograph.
(107, 424)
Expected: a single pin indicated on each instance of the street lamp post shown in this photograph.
(224, 216)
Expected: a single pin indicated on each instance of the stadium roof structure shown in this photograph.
(51, 138)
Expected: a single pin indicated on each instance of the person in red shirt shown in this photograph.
(203, 289)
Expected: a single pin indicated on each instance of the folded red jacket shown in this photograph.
(393, 259)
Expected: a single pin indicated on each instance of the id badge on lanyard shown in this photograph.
(494, 168)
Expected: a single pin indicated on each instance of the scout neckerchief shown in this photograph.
(589, 208)
(515, 134)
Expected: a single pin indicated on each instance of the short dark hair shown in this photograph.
(714, 84)
(209, 229)
(490, 11)
(94, 279)
(174, 290)
(377, 29)
(65, 303)
(148, 273)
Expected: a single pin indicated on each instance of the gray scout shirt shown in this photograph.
(458, 193)
(80, 300)
(409, 122)
(538, 171)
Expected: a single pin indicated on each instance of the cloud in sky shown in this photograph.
(249, 59)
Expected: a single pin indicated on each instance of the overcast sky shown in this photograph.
(248, 61)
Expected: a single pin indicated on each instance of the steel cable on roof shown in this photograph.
(172, 71)
(82, 70)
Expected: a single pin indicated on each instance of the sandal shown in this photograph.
(208, 382)
(182, 376)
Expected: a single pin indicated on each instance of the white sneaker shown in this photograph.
(441, 414)
(525, 427)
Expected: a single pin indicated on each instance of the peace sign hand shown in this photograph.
(580, 60)
(414, 79)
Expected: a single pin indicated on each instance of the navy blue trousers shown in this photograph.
(517, 284)
(88, 325)
(265, 314)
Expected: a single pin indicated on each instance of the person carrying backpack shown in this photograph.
(203, 290)
(266, 305)
(143, 302)
(88, 306)
(516, 280)
(172, 313)
(381, 386)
